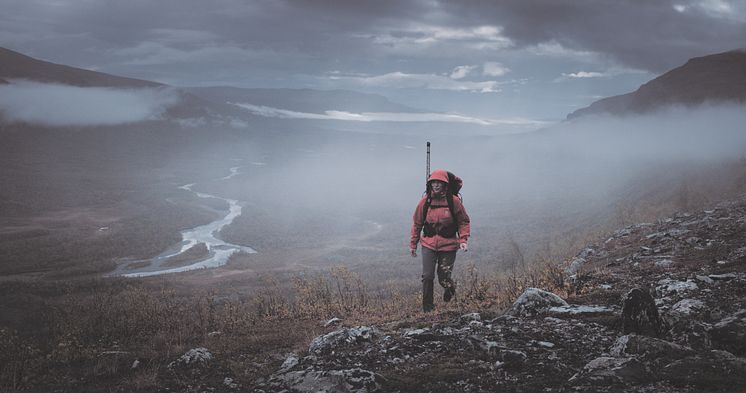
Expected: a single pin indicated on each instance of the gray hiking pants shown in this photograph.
(444, 260)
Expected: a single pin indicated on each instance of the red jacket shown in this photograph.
(440, 215)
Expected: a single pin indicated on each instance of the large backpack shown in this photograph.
(454, 188)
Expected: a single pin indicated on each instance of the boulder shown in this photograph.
(712, 370)
(730, 333)
(691, 333)
(605, 371)
(686, 307)
(193, 357)
(534, 301)
(351, 380)
(331, 340)
(668, 287)
(640, 314)
(643, 347)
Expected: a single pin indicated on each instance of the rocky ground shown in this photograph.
(656, 307)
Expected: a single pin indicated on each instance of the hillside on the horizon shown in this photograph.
(714, 78)
(197, 102)
(302, 100)
(14, 65)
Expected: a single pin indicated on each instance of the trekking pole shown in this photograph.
(427, 170)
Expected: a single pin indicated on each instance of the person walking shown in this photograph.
(442, 225)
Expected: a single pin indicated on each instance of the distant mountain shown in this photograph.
(715, 78)
(302, 100)
(205, 102)
(14, 65)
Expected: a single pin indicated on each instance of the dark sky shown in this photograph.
(522, 59)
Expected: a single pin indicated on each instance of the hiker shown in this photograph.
(442, 235)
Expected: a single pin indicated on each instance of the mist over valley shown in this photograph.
(315, 184)
(183, 189)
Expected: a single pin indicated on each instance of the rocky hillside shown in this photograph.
(656, 307)
(717, 78)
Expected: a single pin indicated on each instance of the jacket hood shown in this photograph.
(439, 174)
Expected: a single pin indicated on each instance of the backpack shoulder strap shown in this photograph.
(449, 198)
(425, 208)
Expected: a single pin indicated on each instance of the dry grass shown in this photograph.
(98, 328)
(77, 336)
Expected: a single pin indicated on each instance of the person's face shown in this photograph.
(438, 186)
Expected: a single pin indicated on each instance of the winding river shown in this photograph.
(218, 250)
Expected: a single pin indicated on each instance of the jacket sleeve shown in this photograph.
(417, 222)
(463, 221)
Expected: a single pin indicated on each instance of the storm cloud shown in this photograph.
(62, 105)
(417, 52)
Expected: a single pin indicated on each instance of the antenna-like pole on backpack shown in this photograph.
(427, 170)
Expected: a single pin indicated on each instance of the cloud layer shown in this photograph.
(61, 105)
(403, 117)
(444, 46)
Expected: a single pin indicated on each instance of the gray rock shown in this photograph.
(691, 333)
(611, 371)
(633, 345)
(533, 301)
(640, 314)
(687, 306)
(421, 334)
(481, 343)
(723, 277)
(705, 279)
(471, 317)
(351, 380)
(196, 356)
(512, 358)
(228, 382)
(289, 363)
(581, 309)
(332, 322)
(730, 333)
(331, 340)
(575, 266)
(668, 287)
(713, 370)
(663, 263)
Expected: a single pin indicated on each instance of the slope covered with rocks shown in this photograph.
(656, 307)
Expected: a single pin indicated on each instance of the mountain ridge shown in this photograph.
(194, 102)
(718, 77)
(15, 65)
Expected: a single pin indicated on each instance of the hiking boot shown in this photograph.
(448, 294)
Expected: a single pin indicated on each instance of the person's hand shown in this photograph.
(413, 252)
(464, 247)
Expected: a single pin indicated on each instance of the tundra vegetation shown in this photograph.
(75, 214)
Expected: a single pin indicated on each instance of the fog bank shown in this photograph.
(62, 105)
